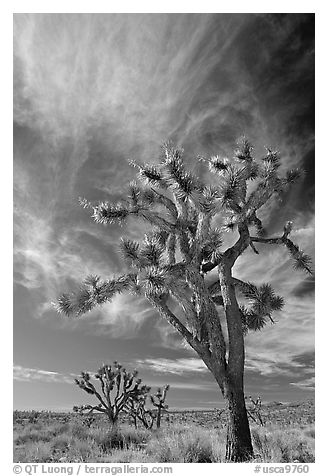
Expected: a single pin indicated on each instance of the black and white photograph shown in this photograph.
(163, 249)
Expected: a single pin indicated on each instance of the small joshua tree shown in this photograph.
(87, 416)
(158, 400)
(189, 217)
(117, 388)
(254, 411)
(136, 408)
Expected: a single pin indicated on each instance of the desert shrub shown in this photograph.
(261, 445)
(61, 442)
(59, 428)
(304, 453)
(135, 436)
(127, 456)
(293, 447)
(36, 452)
(106, 439)
(32, 436)
(283, 446)
(26, 437)
(119, 438)
(197, 450)
(35, 426)
(185, 445)
(79, 431)
(83, 451)
(310, 432)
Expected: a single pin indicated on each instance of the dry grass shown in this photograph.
(274, 444)
(176, 442)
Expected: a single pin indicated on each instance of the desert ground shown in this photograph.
(185, 436)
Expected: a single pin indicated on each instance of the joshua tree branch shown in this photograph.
(302, 260)
(100, 399)
(167, 202)
(97, 395)
(231, 254)
(91, 409)
(251, 244)
(207, 267)
(158, 221)
(278, 240)
(163, 309)
(270, 241)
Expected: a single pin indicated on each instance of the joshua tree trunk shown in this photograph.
(226, 364)
(113, 419)
(158, 418)
(239, 443)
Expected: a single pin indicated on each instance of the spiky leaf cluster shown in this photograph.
(244, 150)
(134, 193)
(105, 213)
(150, 175)
(92, 292)
(262, 302)
(130, 251)
(233, 188)
(293, 175)
(152, 249)
(218, 165)
(210, 250)
(154, 281)
(208, 200)
(272, 159)
(301, 260)
(181, 181)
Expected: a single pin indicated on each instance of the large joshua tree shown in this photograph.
(188, 219)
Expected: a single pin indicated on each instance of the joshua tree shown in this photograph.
(138, 412)
(117, 388)
(189, 218)
(136, 409)
(254, 411)
(158, 400)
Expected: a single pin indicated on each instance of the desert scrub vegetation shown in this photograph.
(185, 438)
(274, 443)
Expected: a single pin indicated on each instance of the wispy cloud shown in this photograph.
(122, 318)
(178, 366)
(24, 374)
(307, 384)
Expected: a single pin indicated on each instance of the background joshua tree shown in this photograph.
(188, 219)
(117, 388)
(158, 400)
(254, 410)
(136, 408)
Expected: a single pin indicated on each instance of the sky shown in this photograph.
(92, 91)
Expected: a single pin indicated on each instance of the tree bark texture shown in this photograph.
(239, 443)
